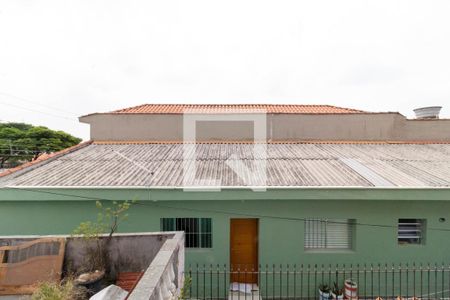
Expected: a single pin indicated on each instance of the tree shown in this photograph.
(108, 220)
(20, 142)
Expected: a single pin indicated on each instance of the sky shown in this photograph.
(63, 59)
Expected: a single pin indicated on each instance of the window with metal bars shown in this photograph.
(332, 234)
(411, 231)
(198, 231)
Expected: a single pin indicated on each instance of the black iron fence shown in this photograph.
(366, 281)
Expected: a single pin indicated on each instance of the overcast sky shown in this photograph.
(62, 59)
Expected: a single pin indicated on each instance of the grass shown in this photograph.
(58, 291)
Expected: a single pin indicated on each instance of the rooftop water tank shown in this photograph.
(429, 112)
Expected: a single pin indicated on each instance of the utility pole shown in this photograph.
(10, 148)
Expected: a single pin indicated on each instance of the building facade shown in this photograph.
(351, 189)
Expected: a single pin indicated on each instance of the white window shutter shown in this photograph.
(328, 234)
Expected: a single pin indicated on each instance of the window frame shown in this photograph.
(351, 238)
(200, 238)
(421, 239)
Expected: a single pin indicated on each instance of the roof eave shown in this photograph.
(214, 188)
(28, 166)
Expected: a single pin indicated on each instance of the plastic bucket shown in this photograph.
(351, 289)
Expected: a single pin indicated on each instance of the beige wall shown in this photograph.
(128, 127)
(224, 130)
(423, 130)
(280, 127)
(333, 127)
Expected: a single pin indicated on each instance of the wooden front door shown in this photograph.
(244, 250)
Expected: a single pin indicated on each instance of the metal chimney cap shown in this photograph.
(428, 112)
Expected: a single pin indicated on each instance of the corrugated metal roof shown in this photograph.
(42, 159)
(290, 164)
(366, 172)
(235, 108)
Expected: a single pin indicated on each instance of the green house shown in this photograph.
(259, 184)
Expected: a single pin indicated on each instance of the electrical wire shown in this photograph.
(218, 211)
(6, 146)
(41, 112)
(20, 155)
(36, 103)
(21, 150)
(6, 152)
(14, 140)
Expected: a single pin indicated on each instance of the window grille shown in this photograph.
(329, 234)
(198, 231)
(411, 231)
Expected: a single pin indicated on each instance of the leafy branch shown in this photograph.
(108, 220)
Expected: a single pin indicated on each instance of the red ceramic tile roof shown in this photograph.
(128, 280)
(45, 157)
(233, 108)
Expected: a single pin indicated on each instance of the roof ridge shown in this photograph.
(45, 158)
(235, 104)
(177, 108)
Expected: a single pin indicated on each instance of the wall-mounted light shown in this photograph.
(441, 220)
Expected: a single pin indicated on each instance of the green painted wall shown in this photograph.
(24, 212)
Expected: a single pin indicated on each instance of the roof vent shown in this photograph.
(429, 112)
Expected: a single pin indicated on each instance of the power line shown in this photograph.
(41, 112)
(220, 211)
(15, 149)
(36, 103)
(22, 146)
(278, 217)
(25, 150)
(21, 150)
(16, 155)
(38, 141)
